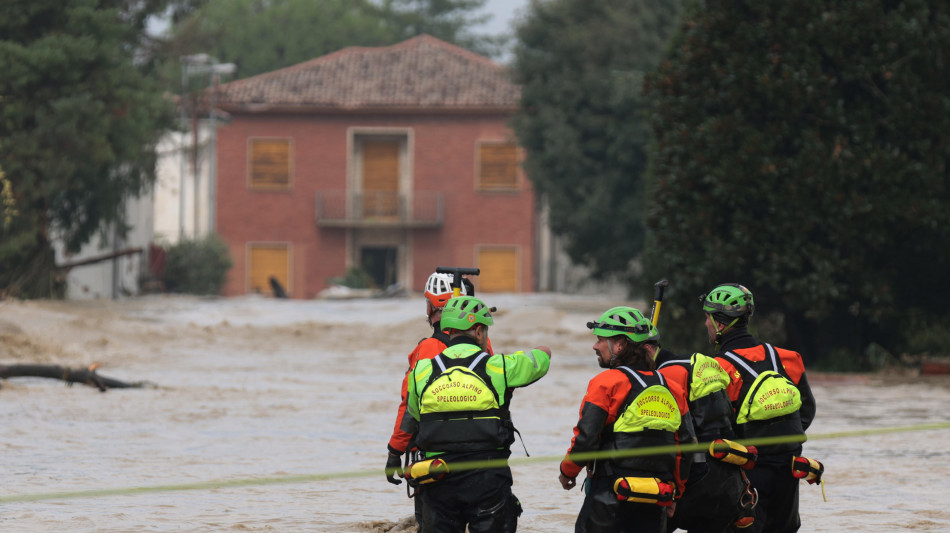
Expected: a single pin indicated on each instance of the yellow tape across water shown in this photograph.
(469, 465)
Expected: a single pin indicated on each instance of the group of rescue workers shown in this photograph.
(658, 435)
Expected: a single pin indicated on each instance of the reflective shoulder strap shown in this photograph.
(477, 359)
(634, 374)
(438, 360)
(674, 362)
(774, 357)
(740, 361)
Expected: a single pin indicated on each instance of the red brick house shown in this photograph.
(397, 159)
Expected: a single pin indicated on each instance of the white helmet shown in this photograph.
(439, 289)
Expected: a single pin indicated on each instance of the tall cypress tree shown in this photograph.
(581, 66)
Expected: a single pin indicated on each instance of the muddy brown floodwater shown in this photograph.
(251, 392)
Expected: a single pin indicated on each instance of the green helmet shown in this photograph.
(729, 299)
(625, 321)
(463, 312)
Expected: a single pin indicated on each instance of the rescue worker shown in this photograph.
(459, 402)
(716, 494)
(771, 398)
(630, 405)
(437, 292)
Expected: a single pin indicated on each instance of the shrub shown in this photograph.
(198, 266)
(354, 278)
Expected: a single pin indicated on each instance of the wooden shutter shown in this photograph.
(499, 270)
(497, 166)
(380, 178)
(268, 260)
(270, 163)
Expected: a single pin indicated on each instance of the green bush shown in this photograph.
(197, 266)
(926, 334)
(354, 278)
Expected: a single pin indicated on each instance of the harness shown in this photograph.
(649, 417)
(459, 408)
(769, 402)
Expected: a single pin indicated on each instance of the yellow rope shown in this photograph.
(461, 466)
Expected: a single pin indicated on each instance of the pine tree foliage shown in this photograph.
(265, 35)
(79, 120)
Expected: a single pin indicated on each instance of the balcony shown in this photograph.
(344, 209)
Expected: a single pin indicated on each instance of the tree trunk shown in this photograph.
(86, 376)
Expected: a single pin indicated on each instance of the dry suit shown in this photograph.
(400, 442)
(625, 409)
(771, 398)
(714, 491)
(459, 406)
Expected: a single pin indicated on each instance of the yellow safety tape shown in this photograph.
(456, 467)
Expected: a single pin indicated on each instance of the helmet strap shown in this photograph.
(719, 332)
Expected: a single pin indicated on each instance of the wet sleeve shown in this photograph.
(417, 378)
(426, 349)
(399, 440)
(521, 368)
(605, 394)
(587, 432)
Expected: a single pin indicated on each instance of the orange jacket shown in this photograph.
(606, 394)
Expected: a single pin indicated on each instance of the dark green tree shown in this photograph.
(802, 149)
(581, 66)
(261, 36)
(449, 20)
(79, 120)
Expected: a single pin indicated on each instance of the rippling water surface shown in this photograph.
(250, 392)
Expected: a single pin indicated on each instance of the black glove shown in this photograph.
(393, 468)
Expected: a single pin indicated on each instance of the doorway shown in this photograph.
(380, 263)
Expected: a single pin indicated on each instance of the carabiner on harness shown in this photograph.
(747, 503)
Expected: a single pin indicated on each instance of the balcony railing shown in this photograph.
(344, 209)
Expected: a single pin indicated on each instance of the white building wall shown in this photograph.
(156, 217)
(111, 278)
(179, 170)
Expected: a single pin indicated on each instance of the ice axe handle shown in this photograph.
(658, 288)
(457, 273)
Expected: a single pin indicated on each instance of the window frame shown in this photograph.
(516, 186)
(256, 186)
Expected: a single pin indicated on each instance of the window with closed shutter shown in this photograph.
(498, 165)
(499, 269)
(269, 163)
(266, 261)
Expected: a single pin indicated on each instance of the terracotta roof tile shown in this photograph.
(422, 72)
